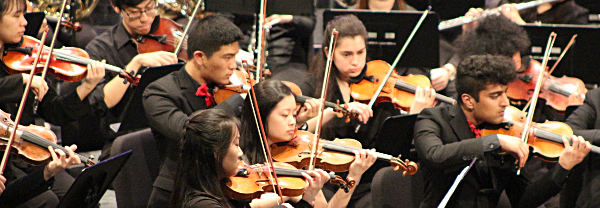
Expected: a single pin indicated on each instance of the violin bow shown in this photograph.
(393, 66)
(313, 151)
(536, 93)
(555, 64)
(187, 27)
(22, 105)
(260, 56)
(263, 140)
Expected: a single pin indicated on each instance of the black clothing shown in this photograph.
(585, 122)
(168, 102)
(566, 12)
(114, 46)
(204, 200)
(288, 45)
(446, 145)
(21, 187)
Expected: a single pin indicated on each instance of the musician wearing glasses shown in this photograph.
(118, 46)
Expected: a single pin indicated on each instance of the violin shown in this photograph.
(301, 99)
(32, 142)
(238, 85)
(559, 93)
(336, 155)
(165, 38)
(252, 181)
(544, 138)
(68, 64)
(400, 90)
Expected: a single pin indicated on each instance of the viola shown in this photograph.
(544, 138)
(252, 181)
(238, 85)
(32, 142)
(68, 64)
(165, 38)
(301, 99)
(559, 93)
(336, 155)
(399, 90)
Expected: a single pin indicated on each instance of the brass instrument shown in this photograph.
(52, 8)
(178, 8)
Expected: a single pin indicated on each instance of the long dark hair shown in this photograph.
(208, 135)
(268, 94)
(347, 26)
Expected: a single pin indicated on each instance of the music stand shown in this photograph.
(134, 117)
(34, 23)
(389, 30)
(580, 61)
(92, 183)
(250, 7)
(395, 138)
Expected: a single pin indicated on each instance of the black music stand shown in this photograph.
(580, 61)
(395, 138)
(388, 31)
(134, 117)
(250, 7)
(92, 183)
(34, 23)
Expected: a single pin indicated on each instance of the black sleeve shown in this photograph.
(583, 120)
(544, 188)
(164, 116)
(62, 109)
(304, 26)
(12, 88)
(19, 190)
(431, 147)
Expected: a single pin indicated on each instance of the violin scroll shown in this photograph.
(408, 167)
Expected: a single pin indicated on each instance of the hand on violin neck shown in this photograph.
(514, 146)
(308, 110)
(60, 161)
(152, 59)
(424, 98)
(316, 180)
(573, 153)
(364, 159)
(95, 73)
(38, 85)
(363, 111)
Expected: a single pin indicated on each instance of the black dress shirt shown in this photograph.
(114, 46)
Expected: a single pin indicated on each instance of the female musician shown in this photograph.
(52, 107)
(349, 66)
(277, 107)
(210, 151)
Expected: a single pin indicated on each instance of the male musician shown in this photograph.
(449, 138)
(557, 12)
(111, 97)
(35, 181)
(500, 36)
(212, 46)
(582, 188)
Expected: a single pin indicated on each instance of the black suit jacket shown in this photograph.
(585, 184)
(168, 102)
(446, 145)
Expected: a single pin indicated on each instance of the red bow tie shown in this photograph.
(474, 129)
(203, 91)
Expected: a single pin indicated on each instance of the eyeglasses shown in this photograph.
(138, 14)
